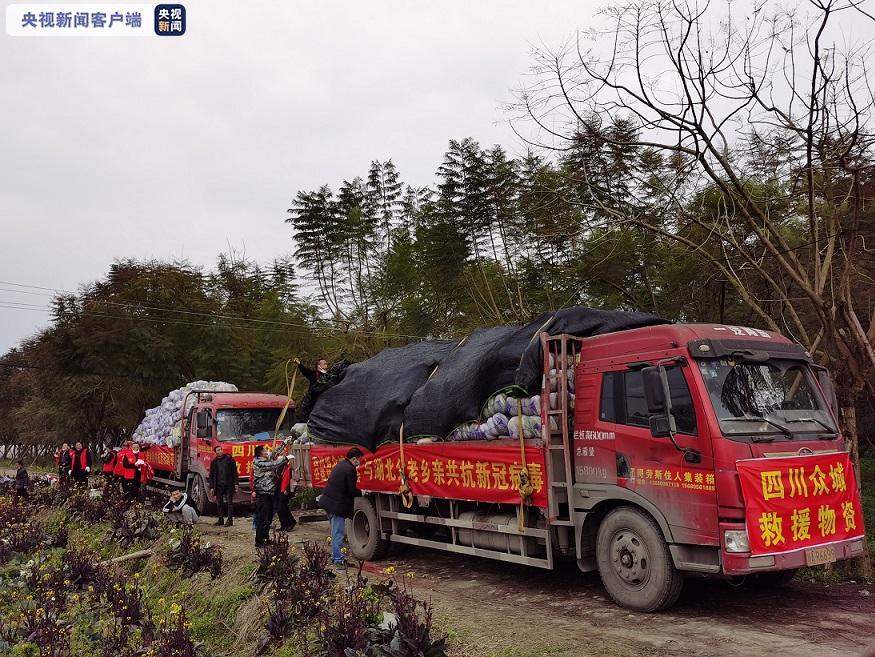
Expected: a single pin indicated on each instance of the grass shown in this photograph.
(212, 605)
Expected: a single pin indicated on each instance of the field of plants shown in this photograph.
(82, 574)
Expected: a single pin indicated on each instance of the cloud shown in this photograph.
(161, 148)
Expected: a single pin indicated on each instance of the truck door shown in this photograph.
(683, 488)
(202, 437)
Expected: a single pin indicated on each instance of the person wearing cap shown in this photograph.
(338, 500)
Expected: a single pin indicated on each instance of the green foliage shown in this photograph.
(147, 327)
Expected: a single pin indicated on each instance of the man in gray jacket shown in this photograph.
(264, 485)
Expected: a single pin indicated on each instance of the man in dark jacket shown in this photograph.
(80, 468)
(64, 460)
(223, 484)
(338, 499)
(314, 375)
(320, 381)
(180, 508)
(22, 481)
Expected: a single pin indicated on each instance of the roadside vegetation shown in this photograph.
(68, 589)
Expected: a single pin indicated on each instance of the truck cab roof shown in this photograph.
(699, 340)
(244, 400)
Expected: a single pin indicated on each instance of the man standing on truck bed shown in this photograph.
(223, 484)
(313, 375)
(320, 380)
(264, 484)
(338, 499)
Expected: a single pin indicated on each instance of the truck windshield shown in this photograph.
(238, 425)
(776, 397)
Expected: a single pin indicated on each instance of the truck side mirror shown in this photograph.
(658, 396)
(653, 392)
(203, 424)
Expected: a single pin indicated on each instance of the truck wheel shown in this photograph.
(634, 561)
(363, 532)
(198, 491)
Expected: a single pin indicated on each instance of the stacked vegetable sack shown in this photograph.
(161, 425)
(501, 416)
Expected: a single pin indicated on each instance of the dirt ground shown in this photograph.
(492, 609)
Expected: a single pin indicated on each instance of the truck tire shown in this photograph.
(634, 561)
(363, 532)
(197, 488)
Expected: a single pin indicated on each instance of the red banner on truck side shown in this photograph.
(800, 502)
(480, 473)
(160, 457)
(163, 458)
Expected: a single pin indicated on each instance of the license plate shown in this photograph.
(819, 556)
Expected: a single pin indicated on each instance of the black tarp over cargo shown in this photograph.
(367, 406)
(435, 386)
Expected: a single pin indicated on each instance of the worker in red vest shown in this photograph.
(132, 469)
(80, 468)
(285, 490)
(110, 461)
(118, 470)
(109, 458)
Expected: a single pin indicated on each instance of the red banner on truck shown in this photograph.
(800, 502)
(480, 473)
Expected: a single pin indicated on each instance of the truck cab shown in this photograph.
(238, 421)
(664, 417)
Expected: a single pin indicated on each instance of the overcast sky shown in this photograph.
(180, 147)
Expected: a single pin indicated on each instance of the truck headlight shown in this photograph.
(735, 540)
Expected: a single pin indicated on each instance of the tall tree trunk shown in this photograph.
(852, 437)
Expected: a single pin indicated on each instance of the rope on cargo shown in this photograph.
(524, 488)
(404, 489)
(290, 386)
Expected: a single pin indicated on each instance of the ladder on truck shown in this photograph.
(561, 355)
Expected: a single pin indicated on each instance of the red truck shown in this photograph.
(239, 421)
(686, 449)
